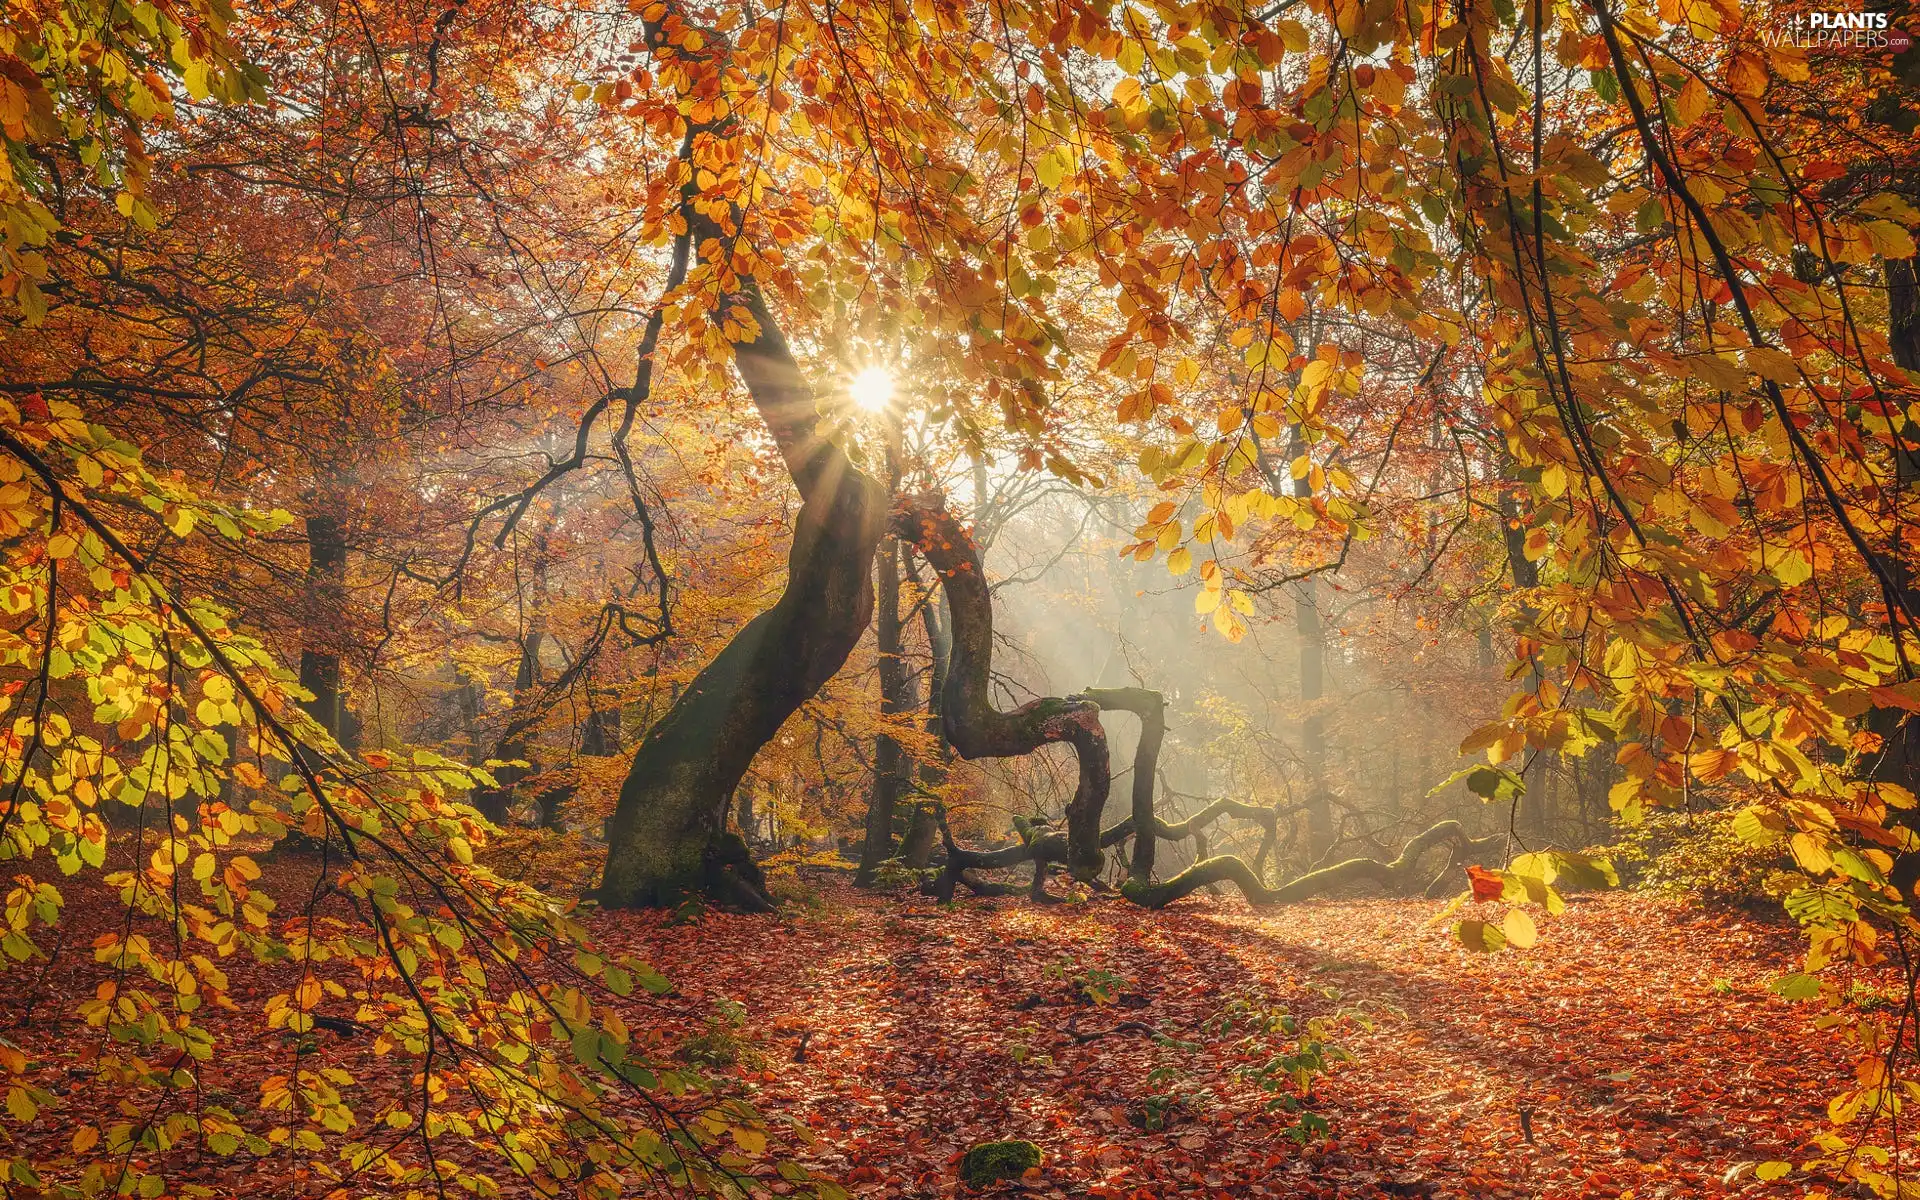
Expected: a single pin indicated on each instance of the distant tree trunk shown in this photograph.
(1898, 761)
(974, 727)
(1532, 803)
(325, 602)
(745, 819)
(322, 613)
(923, 829)
(599, 738)
(1312, 639)
(495, 802)
(891, 765)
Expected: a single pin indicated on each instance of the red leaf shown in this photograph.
(1487, 885)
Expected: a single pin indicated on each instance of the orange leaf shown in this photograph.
(1487, 885)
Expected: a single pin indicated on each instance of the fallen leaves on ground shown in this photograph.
(1636, 1052)
(1639, 1040)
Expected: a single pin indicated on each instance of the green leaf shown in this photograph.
(1578, 870)
(619, 981)
(586, 1047)
(1796, 987)
(1480, 936)
(1821, 906)
(1854, 866)
(1488, 783)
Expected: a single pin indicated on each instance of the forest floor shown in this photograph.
(1638, 1037)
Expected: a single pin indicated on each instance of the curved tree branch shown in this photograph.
(973, 726)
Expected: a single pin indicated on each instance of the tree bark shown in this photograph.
(668, 838)
(326, 596)
(891, 764)
(974, 727)
(1151, 708)
(1898, 761)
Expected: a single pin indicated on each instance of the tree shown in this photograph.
(1589, 326)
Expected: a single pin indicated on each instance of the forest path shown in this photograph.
(1639, 1037)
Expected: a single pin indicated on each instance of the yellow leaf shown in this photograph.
(1747, 74)
(1810, 851)
(753, 1141)
(1776, 365)
(1691, 103)
(1180, 561)
(1519, 928)
(1889, 240)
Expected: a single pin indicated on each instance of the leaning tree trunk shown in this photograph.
(973, 726)
(668, 838)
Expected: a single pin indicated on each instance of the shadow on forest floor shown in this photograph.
(1638, 1039)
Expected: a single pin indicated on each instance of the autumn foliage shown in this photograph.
(452, 456)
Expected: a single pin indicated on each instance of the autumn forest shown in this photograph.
(944, 598)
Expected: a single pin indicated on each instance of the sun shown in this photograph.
(872, 389)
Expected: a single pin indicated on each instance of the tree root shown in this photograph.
(977, 730)
(1396, 874)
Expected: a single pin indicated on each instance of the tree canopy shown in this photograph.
(467, 466)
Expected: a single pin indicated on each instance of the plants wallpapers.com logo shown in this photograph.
(1860, 32)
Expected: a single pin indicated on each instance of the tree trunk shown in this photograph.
(326, 597)
(1313, 732)
(974, 727)
(898, 696)
(323, 614)
(668, 838)
(1312, 639)
(1151, 708)
(1532, 801)
(1898, 761)
(1399, 874)
(495, 802)
(923, 830)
